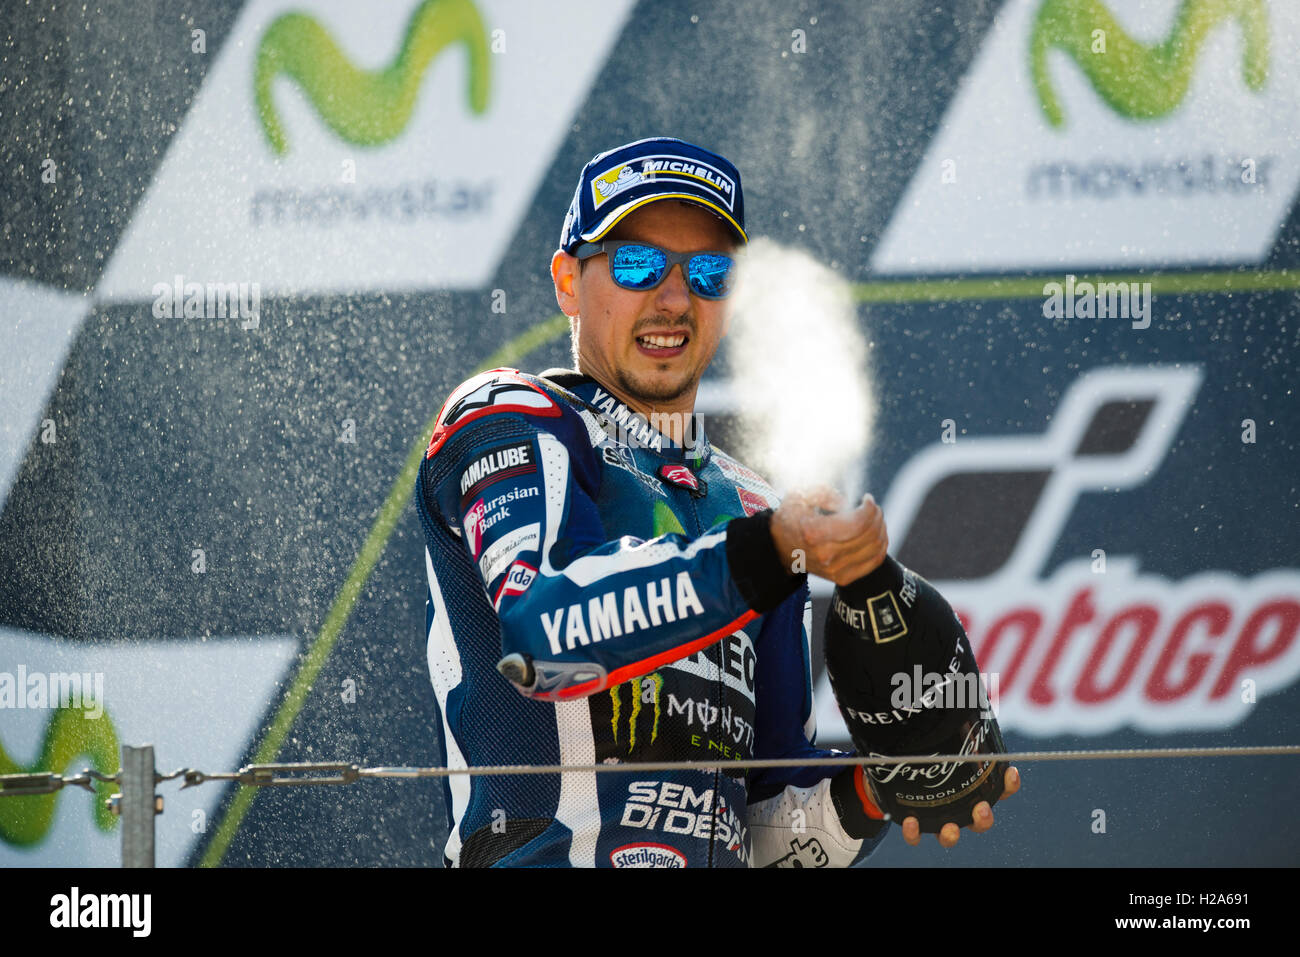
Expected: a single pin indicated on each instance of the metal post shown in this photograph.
(138, 805)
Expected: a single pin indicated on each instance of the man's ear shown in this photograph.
(564, 273)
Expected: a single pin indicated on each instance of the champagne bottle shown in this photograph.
(906, 682)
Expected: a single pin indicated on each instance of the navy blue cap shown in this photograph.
(620, 180)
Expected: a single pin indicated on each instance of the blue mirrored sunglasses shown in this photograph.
(640, 266)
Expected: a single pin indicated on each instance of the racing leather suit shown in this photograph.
(638, 579)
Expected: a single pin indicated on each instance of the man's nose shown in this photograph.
(673, 294)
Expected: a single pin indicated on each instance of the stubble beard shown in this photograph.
(636, 387)
(650, 394)
(641, 389)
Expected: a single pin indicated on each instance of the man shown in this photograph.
(605, 586)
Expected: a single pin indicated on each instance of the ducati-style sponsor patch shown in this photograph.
(647, 855)
(505, 462)
(679, 475)
(518, 577)
(751, 502)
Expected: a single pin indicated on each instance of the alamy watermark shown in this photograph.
(639, 432)
(1102, 300)
(53, 689)
(915, 691)
(213, 300)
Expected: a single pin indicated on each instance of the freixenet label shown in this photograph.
(937, 784)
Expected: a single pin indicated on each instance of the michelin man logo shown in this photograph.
(609, 184)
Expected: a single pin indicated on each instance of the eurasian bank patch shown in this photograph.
(75, 910)
(499, 463)
(489, 512)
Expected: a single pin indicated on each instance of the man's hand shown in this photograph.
(842, 546)
(981, 817)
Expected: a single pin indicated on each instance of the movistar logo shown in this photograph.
(366, 107)
(70, 733)
(645, 691)
(1137, 81)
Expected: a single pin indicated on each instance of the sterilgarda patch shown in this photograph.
(507, 461)
(647, 855)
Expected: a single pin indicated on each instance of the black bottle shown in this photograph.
(906, 682)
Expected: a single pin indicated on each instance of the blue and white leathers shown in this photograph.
(637, 580)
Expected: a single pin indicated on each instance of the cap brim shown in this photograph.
(614, 216)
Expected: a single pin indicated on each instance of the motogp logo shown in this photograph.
(1100, 643)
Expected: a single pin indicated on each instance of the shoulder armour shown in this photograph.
(494, 391)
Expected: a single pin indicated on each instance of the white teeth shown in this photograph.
(662, 342)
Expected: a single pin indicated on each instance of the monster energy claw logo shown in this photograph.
(645, 690)
(366, 107)
(70, 733)
(1137, 81)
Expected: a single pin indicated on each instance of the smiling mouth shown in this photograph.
(655, 342)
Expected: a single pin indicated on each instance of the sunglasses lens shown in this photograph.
(710, 275)
(638, 267)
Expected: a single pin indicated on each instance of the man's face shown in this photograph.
(620, 333)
